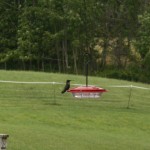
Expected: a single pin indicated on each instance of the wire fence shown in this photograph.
(15, 93)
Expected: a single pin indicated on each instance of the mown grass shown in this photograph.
(39, 117)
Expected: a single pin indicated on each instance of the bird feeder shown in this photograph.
(87, 91)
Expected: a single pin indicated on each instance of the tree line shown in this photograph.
(113, 36)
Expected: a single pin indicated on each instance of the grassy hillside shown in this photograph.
(38, 116)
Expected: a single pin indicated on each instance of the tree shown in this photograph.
(143, 42)
(8, 29)
(143, 39)
(35, 35)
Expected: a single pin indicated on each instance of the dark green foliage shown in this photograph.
(62, 35)
(8, 29)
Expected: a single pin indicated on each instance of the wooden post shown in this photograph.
(130, 92)
(86, 74)
(3, 141)
(54, 93)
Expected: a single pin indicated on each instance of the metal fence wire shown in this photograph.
(47, 93)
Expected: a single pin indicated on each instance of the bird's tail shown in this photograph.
(62, 92)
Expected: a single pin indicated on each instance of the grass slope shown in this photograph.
(39, 117)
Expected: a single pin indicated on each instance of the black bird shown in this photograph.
(67, 86)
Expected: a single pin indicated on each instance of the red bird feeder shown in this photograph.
(87, 91)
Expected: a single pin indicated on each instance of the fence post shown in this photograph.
(54, 93)
(3, 141)
(130, 93)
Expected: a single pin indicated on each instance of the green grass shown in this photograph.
(39, 117)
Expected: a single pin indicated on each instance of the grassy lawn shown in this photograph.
(38, 116)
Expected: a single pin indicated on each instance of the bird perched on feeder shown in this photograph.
(67, 86)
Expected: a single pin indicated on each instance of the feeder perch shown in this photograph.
(87, 92)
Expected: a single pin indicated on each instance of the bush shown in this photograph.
(120, 74)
